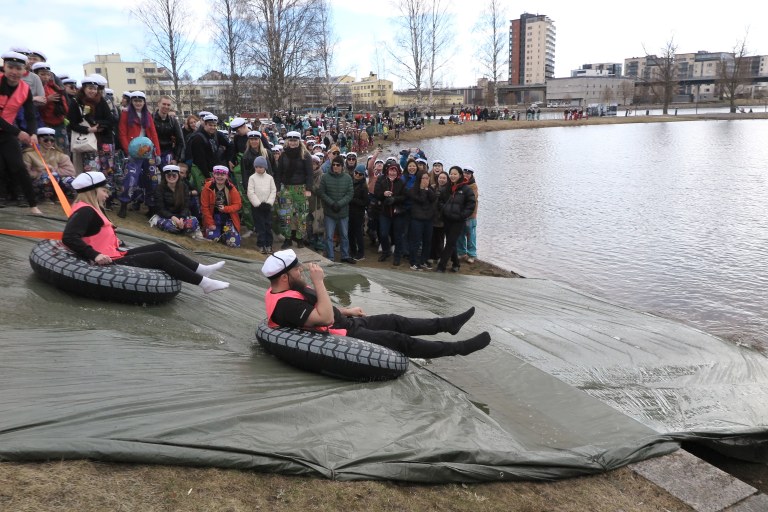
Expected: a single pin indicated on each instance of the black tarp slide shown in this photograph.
(570, 385)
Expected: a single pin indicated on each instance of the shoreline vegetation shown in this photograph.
(88, 486)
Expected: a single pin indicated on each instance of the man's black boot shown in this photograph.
(466, 347)
(453, 324)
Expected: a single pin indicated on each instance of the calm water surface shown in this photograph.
(668, 218)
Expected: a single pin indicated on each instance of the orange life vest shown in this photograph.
(271, 299)
(10, 105)
(105, 241)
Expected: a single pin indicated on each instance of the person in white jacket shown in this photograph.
(261, 193)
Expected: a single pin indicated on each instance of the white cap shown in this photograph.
(138, 94)
(14, 57)
(41, 65)
(293, 134)
(100, 80)
(170, 168)
(237, 122)
(88, 181)
(253, 134)
(38, 53)
(279, 263)
(210, 117)
(46, 131)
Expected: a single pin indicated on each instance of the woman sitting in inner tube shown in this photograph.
(291, 303)
(91, 235)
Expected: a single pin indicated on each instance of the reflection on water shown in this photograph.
(665, 217)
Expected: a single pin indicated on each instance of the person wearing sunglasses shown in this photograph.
(91, 235)
(293, 180)
(58, 161)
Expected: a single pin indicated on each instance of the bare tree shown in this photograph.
(627, 91)
(438, 42)
(230, 35)
(168, 46)
(607, 95)
(493, 42)
(661, 75)
(410, 48)
(282, 45)
(325, 49)
(734, 75)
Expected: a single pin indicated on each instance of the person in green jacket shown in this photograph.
(336, 192)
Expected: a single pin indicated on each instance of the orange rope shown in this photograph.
(59, 193)
(53, 235)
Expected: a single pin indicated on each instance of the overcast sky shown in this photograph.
(71, 32)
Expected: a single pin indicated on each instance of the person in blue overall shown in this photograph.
(133, 187)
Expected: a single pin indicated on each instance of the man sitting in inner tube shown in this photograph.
(291, 303)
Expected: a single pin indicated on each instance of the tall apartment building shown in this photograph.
(531, 49)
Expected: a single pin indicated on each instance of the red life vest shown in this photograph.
(10, 105)
(270, 300)
(105, 241)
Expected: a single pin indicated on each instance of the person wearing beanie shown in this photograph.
(390, 193)
(290, 302)
(91, 235)
(261, 194)
(357, 209)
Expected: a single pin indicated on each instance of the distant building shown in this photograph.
(372, 93)
(442, 99)
(586, 90)
(601, 69)
(126, 76)
(531, 50)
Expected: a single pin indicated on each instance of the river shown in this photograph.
(668, 218)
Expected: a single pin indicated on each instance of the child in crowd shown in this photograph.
(261, 193)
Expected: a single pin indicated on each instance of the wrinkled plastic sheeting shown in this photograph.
(184, 382)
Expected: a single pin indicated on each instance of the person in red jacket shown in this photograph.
(220, 203)
(15, 99)
(136, 121)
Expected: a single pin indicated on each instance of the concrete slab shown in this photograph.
(757, 503)
(700, 485)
